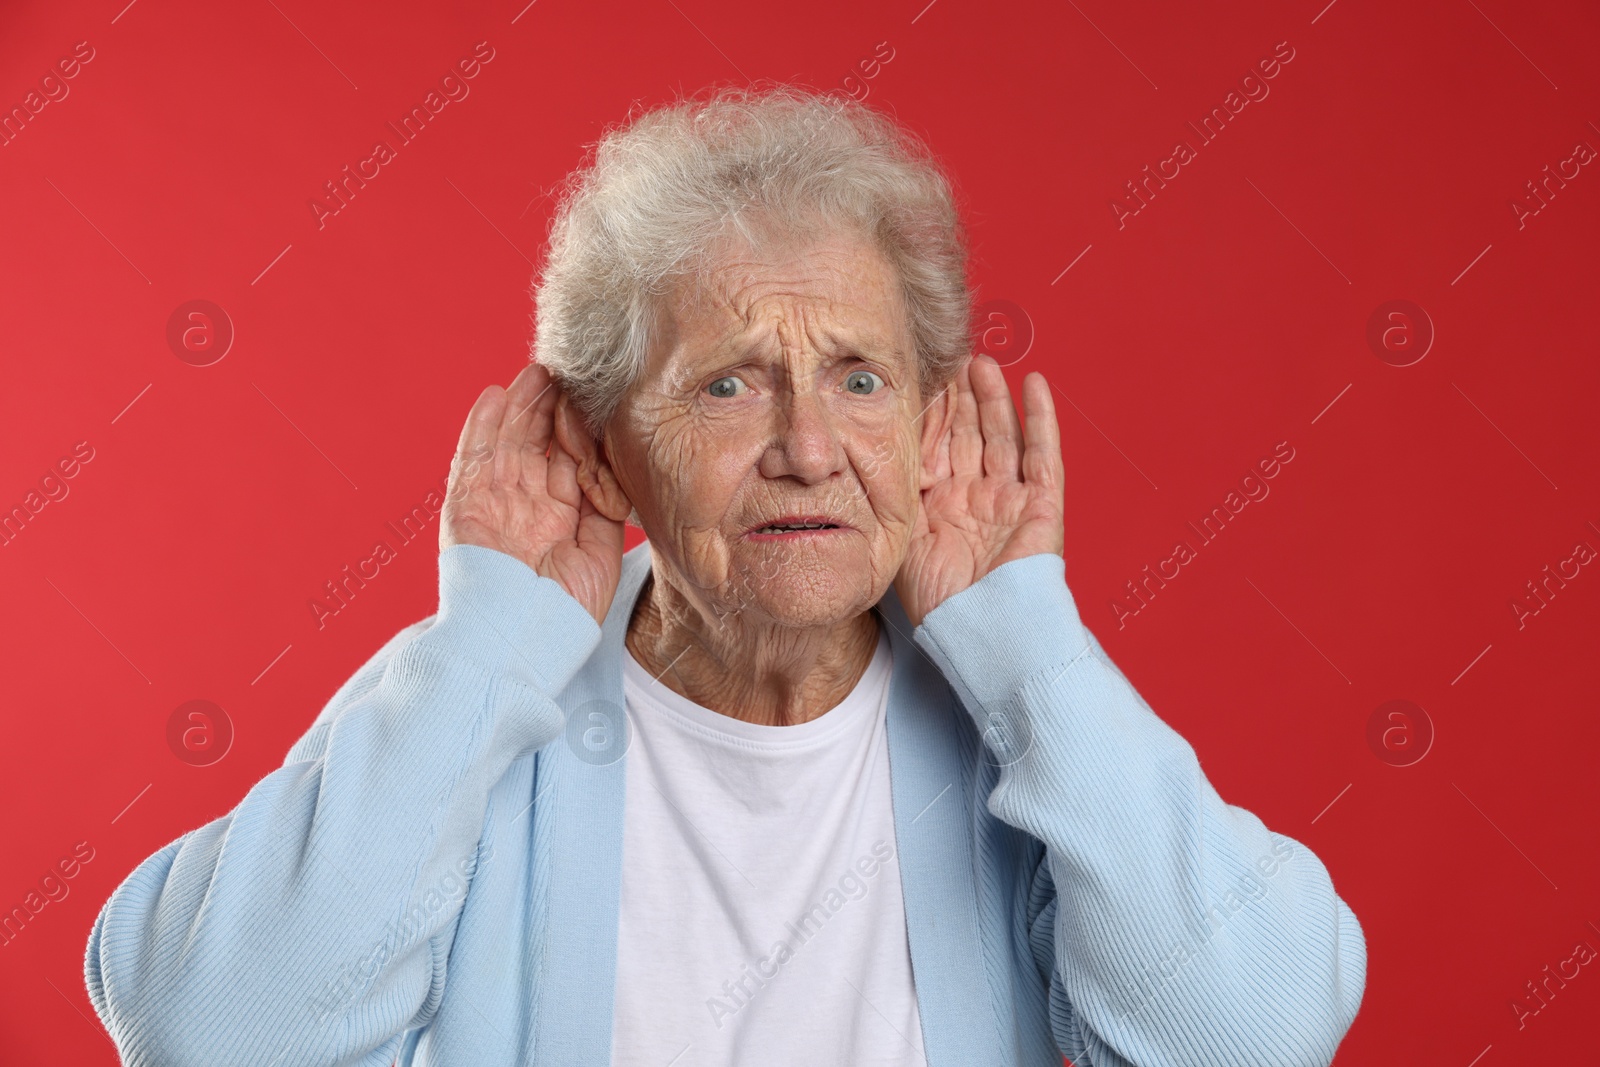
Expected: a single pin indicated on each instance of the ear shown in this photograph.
(595, 476)
(937, 421)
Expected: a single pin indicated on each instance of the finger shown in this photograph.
(561, 478)
(595, 529)
(997, 418)
(531, 406)
(966, 441)
(942, 468)
(478, 436)
(1041, 457)
(520, 423)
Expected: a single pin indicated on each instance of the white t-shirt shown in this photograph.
(761, 917)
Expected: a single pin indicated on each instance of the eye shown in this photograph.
(729, 386)
(863, 382)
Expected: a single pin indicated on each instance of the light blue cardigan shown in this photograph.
(433, 873)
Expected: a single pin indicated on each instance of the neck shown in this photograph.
(769, 675)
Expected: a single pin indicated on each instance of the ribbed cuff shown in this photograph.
(503, 615)
(1014, 622)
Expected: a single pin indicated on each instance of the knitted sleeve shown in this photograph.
(1183, 930)
(312, 923)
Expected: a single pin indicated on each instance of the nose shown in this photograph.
(805, 444)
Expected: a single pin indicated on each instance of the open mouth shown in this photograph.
(796, 525)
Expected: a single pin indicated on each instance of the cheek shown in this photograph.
(659, 461)
(696, 472)
(888, 468)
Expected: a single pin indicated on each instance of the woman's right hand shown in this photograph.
(514, 489)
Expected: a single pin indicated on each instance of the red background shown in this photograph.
(1228, 315)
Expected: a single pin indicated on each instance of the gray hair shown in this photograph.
(667, 187)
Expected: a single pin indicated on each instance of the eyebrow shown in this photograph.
(867, 350)
(876, 349)
(871, 347)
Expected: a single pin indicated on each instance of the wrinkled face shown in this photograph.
(783, 392)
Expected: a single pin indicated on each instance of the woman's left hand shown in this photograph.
(1001, 493)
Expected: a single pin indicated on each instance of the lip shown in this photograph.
(755, 534)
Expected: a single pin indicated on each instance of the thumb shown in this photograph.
(599, 531)
(594, 474)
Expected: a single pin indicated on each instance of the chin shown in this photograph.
(804, 592)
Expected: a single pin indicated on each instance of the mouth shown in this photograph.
(792, 527)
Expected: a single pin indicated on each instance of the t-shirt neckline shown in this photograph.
(863, 701)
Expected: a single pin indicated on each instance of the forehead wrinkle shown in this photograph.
(740, 295)
(815, 317)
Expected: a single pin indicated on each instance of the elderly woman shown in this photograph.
(827, 771)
